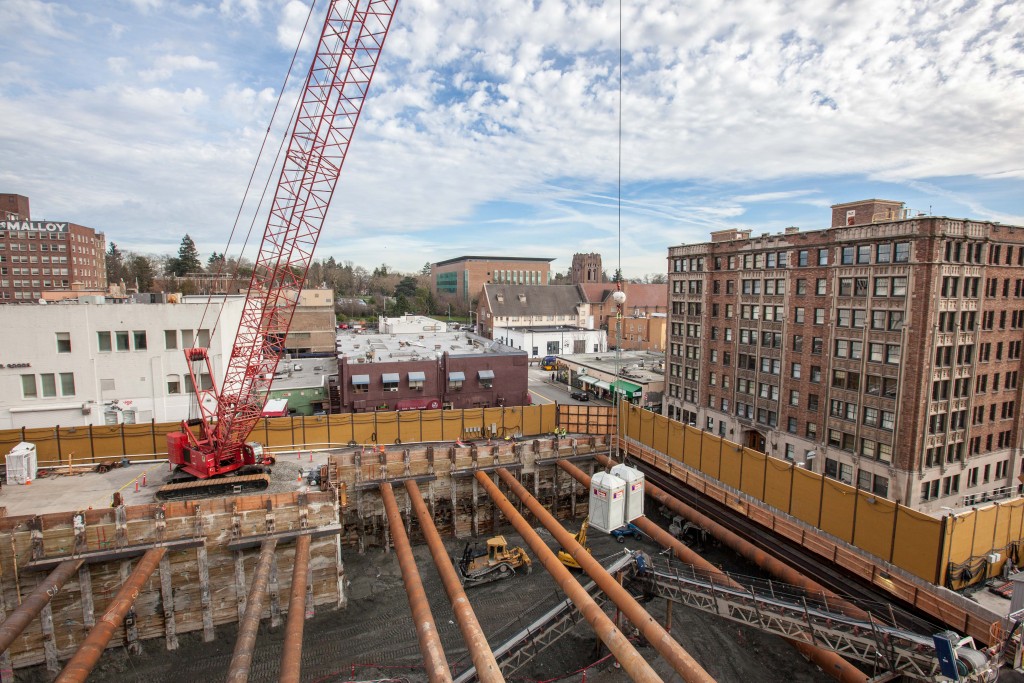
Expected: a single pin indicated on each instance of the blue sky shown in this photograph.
(492, 126)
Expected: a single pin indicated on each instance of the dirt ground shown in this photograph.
(373, 638)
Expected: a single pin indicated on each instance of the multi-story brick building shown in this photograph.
(643, 320)
(465, 276)
(884, 351)
(37, 257)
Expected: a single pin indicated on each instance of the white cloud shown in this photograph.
(503, 116)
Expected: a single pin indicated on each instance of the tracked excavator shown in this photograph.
(210, 452)
(581, 537)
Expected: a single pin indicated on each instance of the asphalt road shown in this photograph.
(544, 390)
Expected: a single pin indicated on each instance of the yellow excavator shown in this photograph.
(499, 562)
(581, 537)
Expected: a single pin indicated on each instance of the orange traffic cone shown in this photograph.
(28, 480)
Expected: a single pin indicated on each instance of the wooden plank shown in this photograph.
(275, 595)
(204, 594)
(167, 598)
(49, 640)
(131, 627)
(85, 590)
(241, 590)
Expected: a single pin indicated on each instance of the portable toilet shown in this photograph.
(607, 502)
(634, 480)
(22, 463)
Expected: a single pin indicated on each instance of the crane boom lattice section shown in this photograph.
(349, 47)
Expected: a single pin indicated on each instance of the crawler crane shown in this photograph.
(213, 444)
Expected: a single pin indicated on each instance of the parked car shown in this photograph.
(579, 395)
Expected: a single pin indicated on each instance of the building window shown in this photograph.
(139, 339)
(103, 341)
(63, 342)
(173, 384)
(67, 384)
(28, 386)
(171, 339)
(902, 252)
(121, 340)
(819, 316)
(48, 382)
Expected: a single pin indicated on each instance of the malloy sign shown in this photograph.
(38, 226)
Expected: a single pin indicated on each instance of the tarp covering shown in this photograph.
(417, 404)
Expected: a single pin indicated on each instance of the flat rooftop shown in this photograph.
(379, 347)
(644, 367)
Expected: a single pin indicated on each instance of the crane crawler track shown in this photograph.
(204, 488)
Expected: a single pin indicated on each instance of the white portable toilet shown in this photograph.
(22, 463)
(634, 480)
(607, 502)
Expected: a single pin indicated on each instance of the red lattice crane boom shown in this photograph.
(346, 57)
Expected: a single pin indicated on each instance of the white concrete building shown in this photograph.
(410, 324)
(553, 341)
(76, 364)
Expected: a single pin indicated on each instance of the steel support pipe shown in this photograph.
(635, 666)
(291, 657)
(827, 660)
(679, 659)
(81, 664)
(746, 549)
(19, 619)
(248, 628)
(434, 659)
(483, 658)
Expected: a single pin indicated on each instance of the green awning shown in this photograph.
(627, 388)
(601, 384)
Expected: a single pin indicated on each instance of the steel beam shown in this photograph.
(124, 553)
(244, 542)
(291, 658)
(81, 664)
(830, 662)
(19, 619)
(248, 627)
(679, 659)
(426, 630)
(634, 664)
(483, 658)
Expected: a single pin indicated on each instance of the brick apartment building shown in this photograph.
(38, 257)
(884, 351)
(644, 317)
(465, 276)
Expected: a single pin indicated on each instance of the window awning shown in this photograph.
(601, 384)
(390, 377)
(456, 377)
(584, 379)
(360, 380)
(417, 377)
(485, 374)
(627, 388)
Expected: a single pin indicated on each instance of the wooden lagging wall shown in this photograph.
(460, 508)
(97, 583)
(459, 505)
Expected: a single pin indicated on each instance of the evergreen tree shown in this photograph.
(187, 260)
(115, 264)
